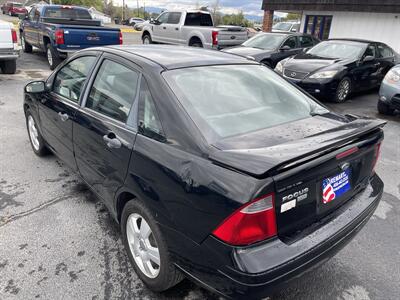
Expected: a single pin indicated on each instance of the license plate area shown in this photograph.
(334, 190)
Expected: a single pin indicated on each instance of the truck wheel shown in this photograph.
(36, 139)
(9, 66)
(196, 44)
(147, 39)
(385, 109)
(25, 46)
(147, 248)
(52, 57)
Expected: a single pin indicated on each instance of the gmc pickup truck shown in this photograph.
(192, 28)
(59, 30)
(9, 50)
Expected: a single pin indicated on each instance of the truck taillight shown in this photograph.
(59, 37)
(253, 222)
(120, 38)
(214, 37)
(14, 36)
(376, 156)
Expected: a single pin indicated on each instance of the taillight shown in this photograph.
(376, 156)
(120, 38)
(251, 223)
(214, 37)
(59, 37)
(347, 153)
(14, 36)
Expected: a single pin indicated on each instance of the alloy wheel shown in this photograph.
(343, 90)
(22, 42)
(143, 246)
(146, 40)
(33, 133)
(49, 57)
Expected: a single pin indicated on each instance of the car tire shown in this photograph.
(146, 39)
(197, 44)
(385, 109)
(37, 142)
(157, 277)
(9, 66)
(52, 57)
(343, 90)
(27, 48)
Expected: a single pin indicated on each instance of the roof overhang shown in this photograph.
(382, 6)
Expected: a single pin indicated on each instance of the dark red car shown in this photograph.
(13, 9)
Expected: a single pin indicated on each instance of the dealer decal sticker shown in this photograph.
(335, 186)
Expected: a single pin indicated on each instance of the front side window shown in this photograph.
(113, 90)
(306, 41)
(163, 18)
(70, 79)
(174, 18)
(290, 42)
(371, 51)
(231, 100)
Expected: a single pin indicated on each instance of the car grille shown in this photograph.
(396, 101)
(294, 74)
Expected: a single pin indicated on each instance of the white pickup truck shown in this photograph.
(192, 28)
(9, 50)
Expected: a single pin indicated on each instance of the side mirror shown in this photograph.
(285, 48)
(293, 30)
(35, 87)
(368, 58)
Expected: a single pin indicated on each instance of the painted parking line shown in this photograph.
(128, 30)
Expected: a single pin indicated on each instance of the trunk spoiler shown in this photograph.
(261, 162)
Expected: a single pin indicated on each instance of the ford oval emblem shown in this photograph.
(233, 37)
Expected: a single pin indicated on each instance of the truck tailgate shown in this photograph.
(81, 38)
(5, 37)
(231, 36)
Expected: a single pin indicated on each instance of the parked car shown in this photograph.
(334, 69)
(270, 48)
(139, 26)
(13, 9)
(293, 26)
(389, 93)
(133, 21)
(192, 28)
(9, 50)
(60, 29)
(237, 195)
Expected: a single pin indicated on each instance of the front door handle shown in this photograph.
(63, 116)
(377, 64)
(112, 141)
(164, 27)
(176, 28)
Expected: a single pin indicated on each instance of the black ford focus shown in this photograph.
(214, 166)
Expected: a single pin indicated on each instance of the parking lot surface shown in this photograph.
(57, 241)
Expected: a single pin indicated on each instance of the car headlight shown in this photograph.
(279, 67)
(393, 76)
(324, 75)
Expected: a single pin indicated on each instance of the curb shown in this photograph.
(128, 30)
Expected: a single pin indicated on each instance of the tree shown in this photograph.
(292, 17)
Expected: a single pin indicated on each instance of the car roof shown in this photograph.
(353, 40)
(175, 57)
(286, 33)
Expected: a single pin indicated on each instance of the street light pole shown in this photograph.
(123, 9)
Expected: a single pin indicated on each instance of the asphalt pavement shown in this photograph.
(57, 241)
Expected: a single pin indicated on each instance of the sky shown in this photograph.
(249, 7)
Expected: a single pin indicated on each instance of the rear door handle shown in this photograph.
(112, 141)
(177, 29)
(63, 116)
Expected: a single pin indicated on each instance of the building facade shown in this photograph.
(377, 20)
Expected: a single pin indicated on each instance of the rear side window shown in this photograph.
(67, 13)
(384, 51)
(70, 79)
(198, 19)
(113, 90)
(306, 41)
(174, 18)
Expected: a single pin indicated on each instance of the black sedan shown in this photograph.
(334, 69)
(270, 48)
(215, 167)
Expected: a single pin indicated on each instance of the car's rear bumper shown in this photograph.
(325, 89)
(9, 54)
(256, 271)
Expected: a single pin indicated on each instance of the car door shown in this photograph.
(368, 73)
(171, 31)
(159, 28)
(386, 57)
(30, 28)
(292, 43)
(306, 42)
(58, 106)
(103, 132)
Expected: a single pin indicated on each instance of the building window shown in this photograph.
(318, 26)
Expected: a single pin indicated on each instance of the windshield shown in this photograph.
(265, 41)
(67, 13)
(231, 100)
(337, 49)
(17, 4)
(282, 26)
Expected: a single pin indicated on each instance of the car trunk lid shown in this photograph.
(309, 168)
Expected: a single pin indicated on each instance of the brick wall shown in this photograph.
(268, 20)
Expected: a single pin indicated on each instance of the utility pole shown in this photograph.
(123, 9)
(138, 10)
(144, 9)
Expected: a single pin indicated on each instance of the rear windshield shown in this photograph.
(198, 19)
(265, 41)
(67, 13)
(231, 100)
(282, 26)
